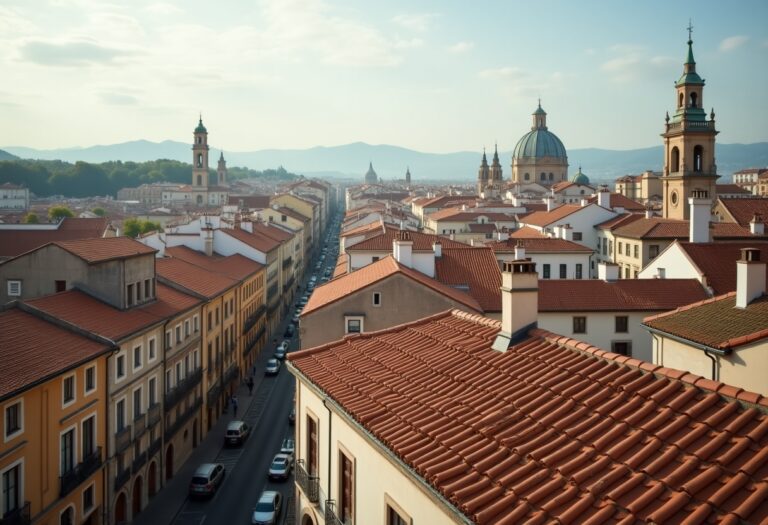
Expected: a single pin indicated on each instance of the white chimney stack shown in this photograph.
(438, 249)
(519, 251)
(750, 277)
(607, 271)
(756, 225)
(566, 232)
(207, 234)
(648, 212)
(519, 302)
(584, 202)
(502, 234)
(699, 216)
(549, 200)
(604, 197)
(402, 248)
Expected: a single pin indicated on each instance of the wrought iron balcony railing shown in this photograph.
(309, 484)
(18, 516)
(122, 438)
(74, 477)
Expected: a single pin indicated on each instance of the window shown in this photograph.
(186, 328)
(563, 271)
(67, 516)
(627, 247)
(217, 316)
(626, 272)
(152, 350)
(168, 380)
(195, 360)
(137, 402)
(637, 251)
(312, 446)
(354, 325)
(88, 499)
(168, 341)
(653, 251)
(210, 320)
(137, 357)
(129, 295)
(196, 323)
(622, 324)
(376, 299)
(67, 452)
(60, 286)
(577, 236)
(147, 288)
(545, 271)
(347, 489)
(374, 259)
(394, 517)
(605, 248)
(579, 325)
(14, 419)
(120, 415)
(68, 390)
(152, 391)
(178, 334)
(14, 287)
(178, 371)
(90, 379)
(120, 366)
(579, 273)
(89, 436)
(621, 347)
(12, 489)
(138, 292)
(621, 245)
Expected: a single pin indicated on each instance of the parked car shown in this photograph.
(280, 467)
(280, 352)
(289, 330)
(273, 367)
(207, 479)
(267, 510)
(237, 433)
(288, 447)
(295, 317)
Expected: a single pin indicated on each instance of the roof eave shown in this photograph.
(680, 339)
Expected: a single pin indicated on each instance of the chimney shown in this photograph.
(584, 202)
(604, 197)
(549, 200)
(607, 271)
(438, 249)
(750, 277)
(402, 248)
(699, 216)
(519, 302)
(566, 232)
(247, 226)
(463, 207)
(207, 234)
(661, 273)
(519, 250)
(756, 225)
(502, 234)
(648, 211)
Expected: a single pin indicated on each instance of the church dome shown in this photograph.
(580, 178)
(539, 142)
(200, 128)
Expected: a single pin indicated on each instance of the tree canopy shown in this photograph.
(134, 227)
(59, 212)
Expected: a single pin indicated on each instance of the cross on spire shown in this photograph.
(690, 29)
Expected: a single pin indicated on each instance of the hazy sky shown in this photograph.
(438, 76)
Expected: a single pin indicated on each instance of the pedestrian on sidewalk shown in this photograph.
(234, 405)
(250, 386)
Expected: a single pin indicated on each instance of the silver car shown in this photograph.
(280, 467)
(268, 508)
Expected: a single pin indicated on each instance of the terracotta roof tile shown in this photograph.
(742, 210)
(32, 350)
(349, 283)
(249, 201)
(421, 241)
(105, 249)
(14, 242)
(473, 270)
(526, 232)
(471, 214)
(365, 228)
(551, 431)
(545, 218)
(659, 228)
(619, 220)
(447, 201)
(194, 278)
(717, 261)
(730, 188)
(234, 266)
(538, 245)
(255, 240)
(716, 322)
(572, 295)
(619, 200)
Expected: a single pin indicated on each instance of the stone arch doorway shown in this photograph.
(152, 479)
(169, 462)
(121, 514)
(306, 519)
(137, 486)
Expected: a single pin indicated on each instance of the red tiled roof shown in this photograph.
(526, 232)
(562, 185)
(446, 201)
(421, 241)
(105, 248)
(551, 431)
(487, 227)
(590, 295)
(273, 232)
(721, 189)
(350, 283)
(192, 277)
(33, 350)
(365, 228)
(717, 261)
(475, 271)
(545, 218)
(539, 245)
(235, 266)
(170, 302)
(620, 220)
(619, 200)
(716, 322)
(659, 228)
(256, 240)
(742, 210)
(341, 265)
(293, 213)
(14, 242)
(249, 201)
(457, 214)
(532, 207)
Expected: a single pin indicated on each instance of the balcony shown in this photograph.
(139, 425)
(18, 516)
(122, 476)
(330, 513)
(232, 373)
(182, 388)
(139, 462)
(310, 485)
(183, 418)
(287, 263)
(122, 439)
(70, 480)
(254, 318)
(272, 291)
(153, 414)
(213, 394)
(154, 447)
(289, 283)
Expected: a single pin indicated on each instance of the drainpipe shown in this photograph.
(330, 418)
(714, 365)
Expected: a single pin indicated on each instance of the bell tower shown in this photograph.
(496, 172)
(689, 143)
(482, 175)
(221, 171)
(200, 156)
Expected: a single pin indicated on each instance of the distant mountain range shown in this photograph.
(4, 155)
(390, 162)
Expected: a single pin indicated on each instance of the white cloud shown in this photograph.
(634, 63)
(419, 22)
(461, 47)
(515, 82)
(70, 53)
(163, 9)
(732, 42)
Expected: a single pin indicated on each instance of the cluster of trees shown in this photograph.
(82, 179)
(134, 227)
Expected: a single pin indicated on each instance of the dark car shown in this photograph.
(289, 330)
(207, 479)
(292, 416)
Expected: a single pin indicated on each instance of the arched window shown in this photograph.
(199, 140)
(199, 199)
(199, 180)
(680, 101)
(674, 160)
(199, 160)
(527, 176)
(67, 517)
(694, 97)
(698, 158)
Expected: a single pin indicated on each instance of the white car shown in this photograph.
(267, 511)
(280, 467)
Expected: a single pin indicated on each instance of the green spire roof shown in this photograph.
(539, 111)
(200, 128)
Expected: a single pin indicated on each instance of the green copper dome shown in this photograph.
(200, 128)
(539, 143)
(580, 178)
